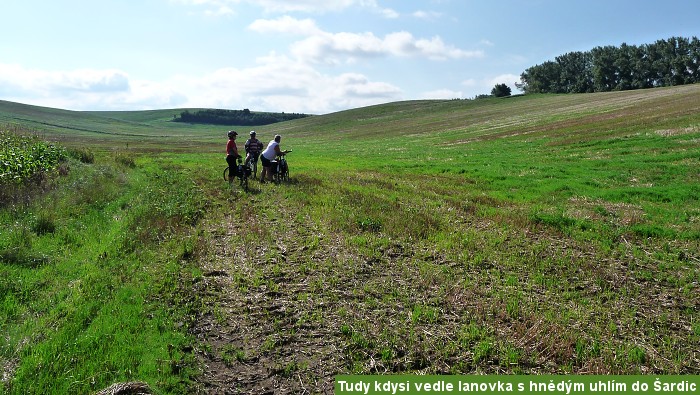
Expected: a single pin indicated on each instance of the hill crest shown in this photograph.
(435, 121)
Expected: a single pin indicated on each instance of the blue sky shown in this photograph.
(311, 56)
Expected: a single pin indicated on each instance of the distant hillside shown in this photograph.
(430, 122)
(149, 129)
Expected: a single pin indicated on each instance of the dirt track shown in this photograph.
(256, 315)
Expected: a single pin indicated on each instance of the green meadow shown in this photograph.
(536, 234)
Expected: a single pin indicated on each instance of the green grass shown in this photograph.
(90, 283)
(535, 234)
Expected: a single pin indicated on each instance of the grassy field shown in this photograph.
(529, 235)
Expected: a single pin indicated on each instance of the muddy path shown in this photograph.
(264, 326)
(287, 305)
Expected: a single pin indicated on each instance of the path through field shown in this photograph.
(268, 330)
(287, 305)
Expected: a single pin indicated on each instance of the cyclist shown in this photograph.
(232, 155)
(272, 151)
(253, 147)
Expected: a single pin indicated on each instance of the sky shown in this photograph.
(305, 56)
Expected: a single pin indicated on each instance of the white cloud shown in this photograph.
(388, 13)
(40, 82)
(357, 86)
(293, 82)
(336, 48)
(427, 15)
(220, 11)
(404, 44)
(310, 6)
(275, 83)
(223, 7)
(84, 89)
(212, 8)
(278, 83)
(321, 6)
(286, 25)
(148, 95)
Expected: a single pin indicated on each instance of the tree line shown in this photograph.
(674, 61)
(235, 117)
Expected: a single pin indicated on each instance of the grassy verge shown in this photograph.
(91, 280)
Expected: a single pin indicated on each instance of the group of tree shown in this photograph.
(675, 61)
(235, 117)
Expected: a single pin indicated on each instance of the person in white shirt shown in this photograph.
(268, 155)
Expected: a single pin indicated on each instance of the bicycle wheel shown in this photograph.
(244, 183)
(284, 171)
(255, 169)
(285, 175)
(279, 176)
(226, 174)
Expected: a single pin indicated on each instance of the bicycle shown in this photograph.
(254, 160)
(280, 168)
(243, 175)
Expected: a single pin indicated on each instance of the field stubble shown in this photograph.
(391, 275)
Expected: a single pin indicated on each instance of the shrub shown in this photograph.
(82, 154)
(44, 224)
(125, 159)
(23, 157)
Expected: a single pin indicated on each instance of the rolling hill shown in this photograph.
(452, 121)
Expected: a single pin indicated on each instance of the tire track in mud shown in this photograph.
(263, 329)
